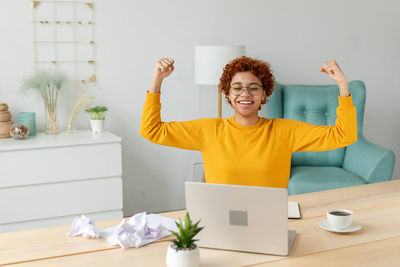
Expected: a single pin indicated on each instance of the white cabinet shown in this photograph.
(47, 180)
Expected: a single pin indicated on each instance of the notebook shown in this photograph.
(294, 210)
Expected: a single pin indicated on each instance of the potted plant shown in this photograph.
(183, 252)
(97, 117)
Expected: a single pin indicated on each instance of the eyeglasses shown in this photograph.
(253, 89)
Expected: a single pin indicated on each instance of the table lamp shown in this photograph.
(210, 60)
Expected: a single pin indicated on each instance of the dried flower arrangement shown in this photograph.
(48, 84)
(82, 101)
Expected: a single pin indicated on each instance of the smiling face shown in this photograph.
(246, 104)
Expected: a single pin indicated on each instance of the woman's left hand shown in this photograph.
(333, 70)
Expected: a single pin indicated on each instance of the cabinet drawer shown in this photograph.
(60, 199)
(48, 165)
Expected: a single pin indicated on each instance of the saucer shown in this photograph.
(354, 226)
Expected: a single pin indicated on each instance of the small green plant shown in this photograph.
(97, 112)
(184, 239)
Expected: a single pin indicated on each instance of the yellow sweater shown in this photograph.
(257, 155)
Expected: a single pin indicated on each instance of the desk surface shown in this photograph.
(376, 208)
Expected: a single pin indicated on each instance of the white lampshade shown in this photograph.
(209, 61)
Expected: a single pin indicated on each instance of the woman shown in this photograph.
(247, 149)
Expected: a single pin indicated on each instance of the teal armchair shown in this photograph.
(360, 163)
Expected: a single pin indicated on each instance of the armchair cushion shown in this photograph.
(370, 161)
(305, 179)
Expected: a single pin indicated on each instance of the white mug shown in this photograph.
(339, 218)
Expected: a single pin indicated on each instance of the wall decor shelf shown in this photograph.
(64, 36)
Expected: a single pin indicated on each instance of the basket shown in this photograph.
(5, 116)
(5, 128)
(3, 107)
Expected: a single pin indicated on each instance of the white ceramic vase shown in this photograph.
(97, 126)
(183, 258)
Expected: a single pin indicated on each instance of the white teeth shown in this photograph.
(245, 102)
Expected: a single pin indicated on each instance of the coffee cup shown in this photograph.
(339, 218)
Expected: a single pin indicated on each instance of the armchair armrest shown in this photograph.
(369, 161)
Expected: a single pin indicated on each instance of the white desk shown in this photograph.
(46, 180)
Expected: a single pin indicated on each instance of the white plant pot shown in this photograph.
(183, 258)
(97, 126)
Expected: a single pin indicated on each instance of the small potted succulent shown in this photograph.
(97, 117)
(183, 252)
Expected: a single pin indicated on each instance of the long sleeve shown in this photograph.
(301, 136)
(193, 135)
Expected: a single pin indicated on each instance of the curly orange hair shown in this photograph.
(259, 68)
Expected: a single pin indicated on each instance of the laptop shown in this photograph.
(241, 218)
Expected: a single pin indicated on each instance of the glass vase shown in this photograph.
(71, 127)
(50, 121)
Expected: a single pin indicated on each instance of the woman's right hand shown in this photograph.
(164, 67)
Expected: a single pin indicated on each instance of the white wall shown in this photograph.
(294, 36)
